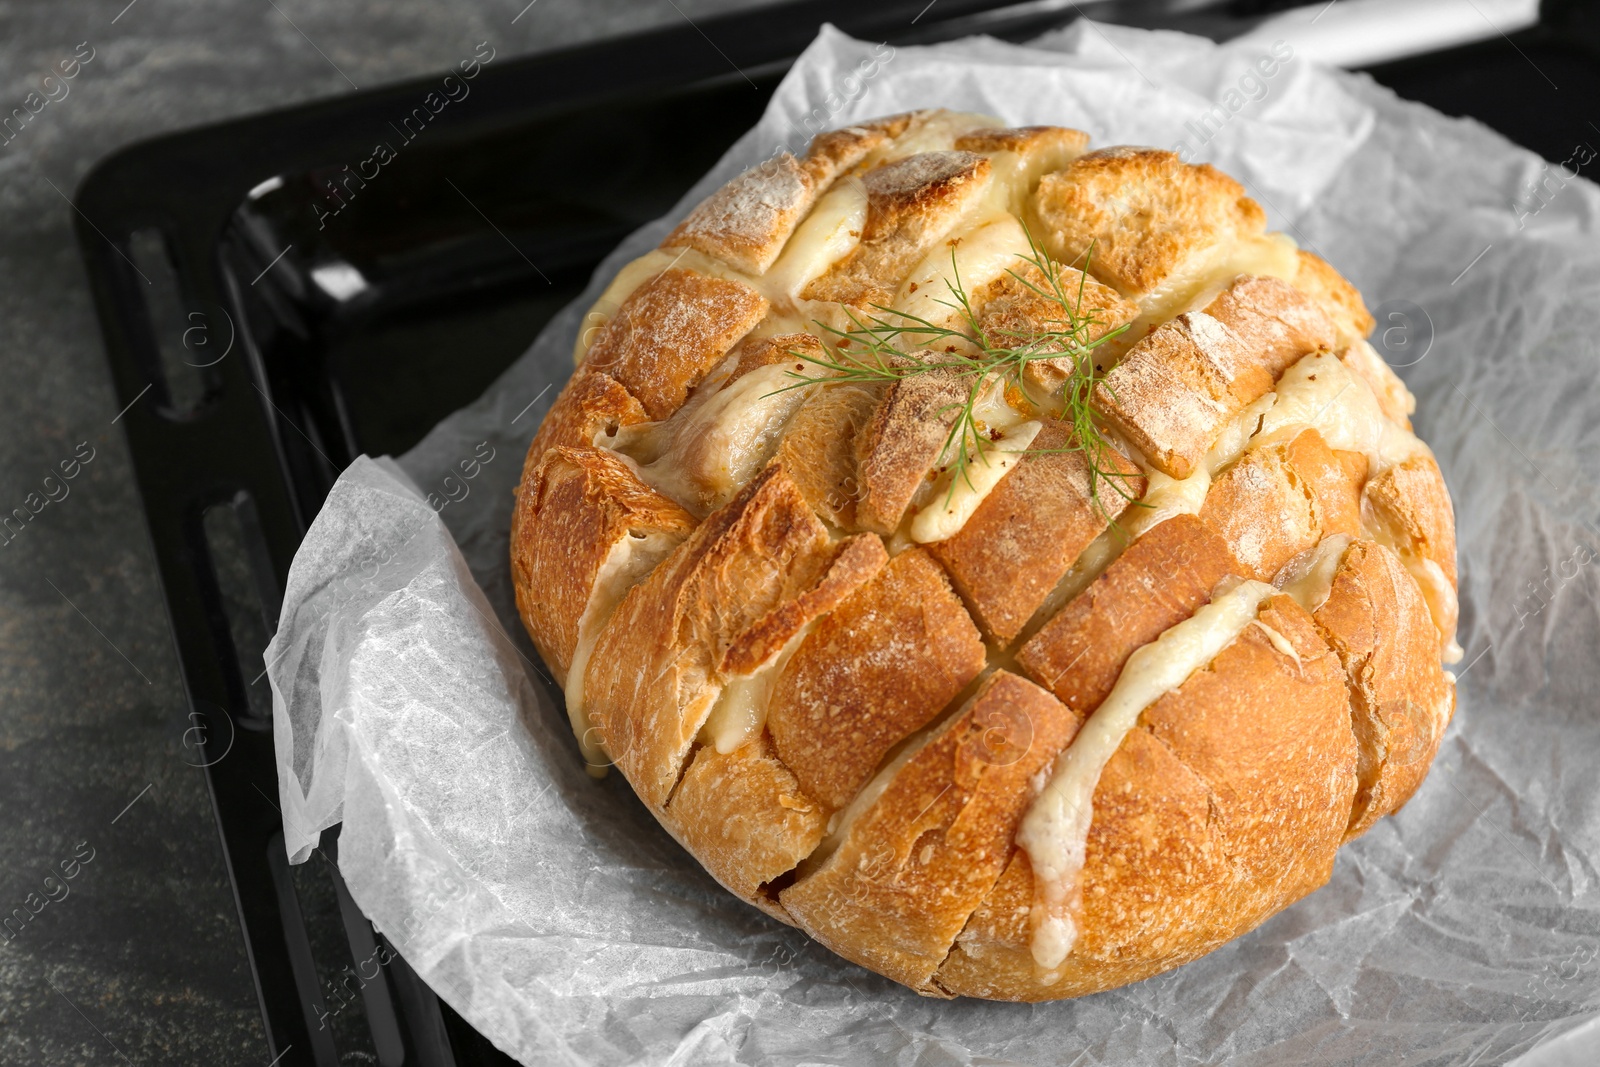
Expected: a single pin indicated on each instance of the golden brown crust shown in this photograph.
(573, 508)
(1031, 528)
(1276, 322)
(835, 152)
(745, 818)
(876, 670)
(1025, 140)
(656, 668)
(592, 403)
(1339, 300)
(670, 332)
(1156, 583)
(1378, 623)
(1144, 211)
(819, 447)
(854, 561)
(1200, 829)
(1413, 501)
(911, 204)
(821, 722)
(1176, 389)
(746, 222)
(1282, 498)
(911, 868)
(901, 444)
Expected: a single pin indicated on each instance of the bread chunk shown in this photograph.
(1339, 300)
(745, 818)
(1412, 499)
(875, 671)
(1376, 620)
(1282, 498)
(836, 152)
(1224, 806)
(593, 403)
(1032, 527)
(1156, 583)
(911, 204)
(1145, 213)
(746, 222)
(670, 331)
(1023, 154)
(912, 867)
(1275, 322)
(728, 598)
(1053, 141)
(577, 507)
(819, 448)
(903, 442)
(1176, 389)
(1024, 308)
(791, 348)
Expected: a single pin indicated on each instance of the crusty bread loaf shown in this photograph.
(1008, 564)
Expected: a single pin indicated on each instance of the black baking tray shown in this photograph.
(263, 331)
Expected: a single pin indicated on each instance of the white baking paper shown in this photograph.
(552, 912)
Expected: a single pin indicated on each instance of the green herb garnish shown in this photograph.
(871, 351)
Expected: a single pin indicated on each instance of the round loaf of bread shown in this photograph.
(1005, 561)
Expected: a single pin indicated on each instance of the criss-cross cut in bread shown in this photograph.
(1032, 526)
(1376, 621)
(872, 673)
(1156, 583)
(1028, 724)
(909, 871)
(1412, 499)
(1177, 388)
(1198, 835)
(741, 586)
(577, 506)
(746, 222)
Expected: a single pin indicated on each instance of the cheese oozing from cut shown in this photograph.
(740, 713)
(1199, 281)
(629, 561)
(711, 447)
(942, 507)
(928, 294)
(1319, 392)
(828, 234)
(1309, 577)
(957, 496)
(1055, 830)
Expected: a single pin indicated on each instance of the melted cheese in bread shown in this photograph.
(1055, 830)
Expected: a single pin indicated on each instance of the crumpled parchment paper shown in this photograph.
(555, 915)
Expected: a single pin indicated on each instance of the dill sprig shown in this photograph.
(876, 350)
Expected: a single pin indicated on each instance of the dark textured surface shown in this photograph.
(141, 960)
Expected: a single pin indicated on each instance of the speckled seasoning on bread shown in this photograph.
(1047, 720)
